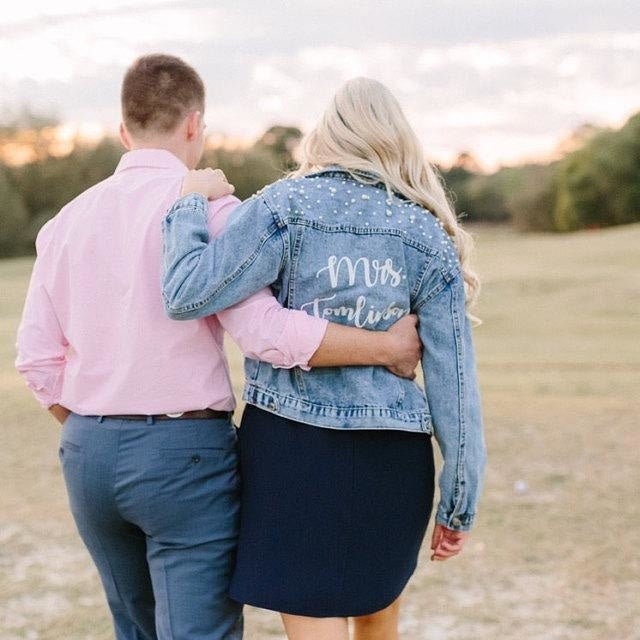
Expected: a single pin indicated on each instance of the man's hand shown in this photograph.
(405, 347)
(59, 412)
(211, 183)
(446, 543)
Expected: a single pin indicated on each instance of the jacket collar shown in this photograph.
(338, 170)
(369, 176)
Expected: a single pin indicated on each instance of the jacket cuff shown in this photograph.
(454, 521)
(194, 202)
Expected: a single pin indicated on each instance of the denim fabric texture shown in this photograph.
(339, 246)
(157, 506)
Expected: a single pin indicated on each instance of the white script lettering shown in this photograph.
(373, 272)
(359, 314)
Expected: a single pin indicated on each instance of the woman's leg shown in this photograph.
(381, 625)
(304, 628)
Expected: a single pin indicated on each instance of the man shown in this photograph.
(148, 446)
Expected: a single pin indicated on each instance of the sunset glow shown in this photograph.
(505, 90)
(28, 145)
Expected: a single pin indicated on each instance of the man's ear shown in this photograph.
(124, 137)
(193, 125)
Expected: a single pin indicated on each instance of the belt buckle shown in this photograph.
(174, 415)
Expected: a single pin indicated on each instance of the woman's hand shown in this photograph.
(446, 543)
(210, 183)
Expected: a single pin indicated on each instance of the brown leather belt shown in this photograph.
(200, 414)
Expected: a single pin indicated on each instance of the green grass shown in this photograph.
(555, 551)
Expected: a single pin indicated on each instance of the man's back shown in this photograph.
(155, 497)
(100, 264)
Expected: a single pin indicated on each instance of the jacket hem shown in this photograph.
(336, 417)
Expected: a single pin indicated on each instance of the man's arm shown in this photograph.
(286, 338)
(398, 349)
(41, 344)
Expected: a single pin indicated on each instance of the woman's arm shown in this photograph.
(451, 386)
(203, 276)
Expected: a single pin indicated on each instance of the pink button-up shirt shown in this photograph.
(94, 336)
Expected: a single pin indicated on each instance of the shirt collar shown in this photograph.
(151, 158)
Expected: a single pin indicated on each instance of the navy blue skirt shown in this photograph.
(332, 520)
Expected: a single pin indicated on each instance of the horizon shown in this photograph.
(505, 83)
(59, 139)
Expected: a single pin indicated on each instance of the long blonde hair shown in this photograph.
(365, 129)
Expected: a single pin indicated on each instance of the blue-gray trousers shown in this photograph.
(157, 505)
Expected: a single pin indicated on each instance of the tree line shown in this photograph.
(592, 186)
(595, 185)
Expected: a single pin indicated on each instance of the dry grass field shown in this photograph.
(555, 554)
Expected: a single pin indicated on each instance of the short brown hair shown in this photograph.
(158, 91)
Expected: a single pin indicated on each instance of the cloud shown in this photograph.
(35, 15)
(499, 78)
(499, 100)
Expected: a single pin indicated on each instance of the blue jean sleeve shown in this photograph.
(204, 275)
(453, 397)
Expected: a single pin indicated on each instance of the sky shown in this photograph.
(503, 79)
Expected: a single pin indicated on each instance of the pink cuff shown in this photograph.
(306, 334)
(46, 388)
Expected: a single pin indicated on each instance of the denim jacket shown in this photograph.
(338, 246)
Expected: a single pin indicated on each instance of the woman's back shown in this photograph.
(355, 256)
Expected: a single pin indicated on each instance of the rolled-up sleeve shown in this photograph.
(41, 345)
(264, 330)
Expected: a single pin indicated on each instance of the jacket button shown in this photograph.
(456, 522)
(195, 459)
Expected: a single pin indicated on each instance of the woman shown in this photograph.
(337, 464)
